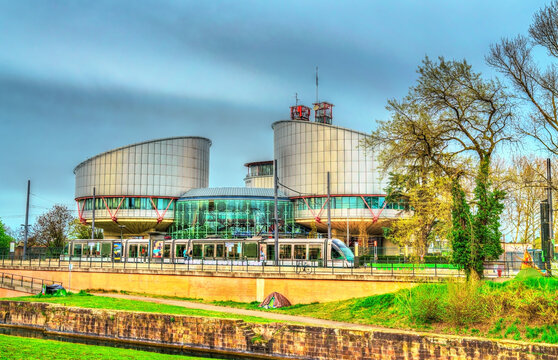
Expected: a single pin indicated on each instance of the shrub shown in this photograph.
(465, 303)
(424, 303)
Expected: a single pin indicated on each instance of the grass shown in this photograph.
(13, 347)
(520, 309)
(99, 302)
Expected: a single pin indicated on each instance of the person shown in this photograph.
(185, 254)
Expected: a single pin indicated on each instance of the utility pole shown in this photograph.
(550, 207)
(276, 220)
(26, 236)
(546, 243)
(93, 218)
(328, 208)
(326, 247)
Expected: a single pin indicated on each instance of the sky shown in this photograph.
(78, 78)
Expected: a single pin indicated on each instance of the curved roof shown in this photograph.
(137, 144)
(319, 124)
(231, 192)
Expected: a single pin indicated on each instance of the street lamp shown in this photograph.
(121, 229)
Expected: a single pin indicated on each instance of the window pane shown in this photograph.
(285, 251)
(300, 252)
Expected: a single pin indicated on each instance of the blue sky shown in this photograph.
(78, 78)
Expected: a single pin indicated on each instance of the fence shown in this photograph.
(380, 267)
(31, 284)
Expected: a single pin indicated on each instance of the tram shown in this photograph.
(316, 252)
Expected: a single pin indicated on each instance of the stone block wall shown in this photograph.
(264, 340)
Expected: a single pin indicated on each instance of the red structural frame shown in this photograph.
(160, 217)
(375, 217)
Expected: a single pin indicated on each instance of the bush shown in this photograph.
(465, 303)
(424, 303)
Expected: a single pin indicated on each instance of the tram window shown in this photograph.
(271, 252)
(77, 249)
(336, 255)
(251, 250)
(180, 250)
(197, 251)
(209, 250)
(167, 251)
(235, 250)
(314, 252)
(105, 249)
(285, 251)
(300, 252)
(142, 250)
(220, 250)
(133, 251)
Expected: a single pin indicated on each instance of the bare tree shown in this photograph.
(535, 85)
(51, 228)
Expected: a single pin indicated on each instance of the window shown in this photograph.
(285, 252)
(300, 252)
(209, 250)
(314, 252)
(271, 252)
(220, 251)
(197, 251)
(251, 250)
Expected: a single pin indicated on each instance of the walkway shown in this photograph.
(229, 310)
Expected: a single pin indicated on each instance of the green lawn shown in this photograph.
(397, 266)
(101, 302)
(13, 347)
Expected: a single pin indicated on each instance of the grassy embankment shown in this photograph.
(85, 300)
(521, 309)
(13, 347)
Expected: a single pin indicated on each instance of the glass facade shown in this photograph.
(232, 218)
(260, 170)
(113, 203)
(348, 202)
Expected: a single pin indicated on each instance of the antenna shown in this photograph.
(317, 99)
(296, 99)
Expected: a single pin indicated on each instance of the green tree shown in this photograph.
(81, 231)
(428, 215)
(453, 116)
(5, 238)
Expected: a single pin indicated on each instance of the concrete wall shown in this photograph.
(239, 286)
(270, 341)
(7, 293)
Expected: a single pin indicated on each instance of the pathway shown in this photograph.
(231, 310)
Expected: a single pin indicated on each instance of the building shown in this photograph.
(232, 213)
(136, 186)
(306, 152)
(260, 175)
(152, 185)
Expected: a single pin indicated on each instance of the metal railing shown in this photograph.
(380, 268)
(14, 281)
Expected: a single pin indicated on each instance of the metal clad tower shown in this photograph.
(137, 185)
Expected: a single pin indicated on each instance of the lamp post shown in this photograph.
(121, 247)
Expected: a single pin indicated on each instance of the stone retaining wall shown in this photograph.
(263, 340)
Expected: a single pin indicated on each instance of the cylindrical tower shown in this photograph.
(137, 185)
(306, 152)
